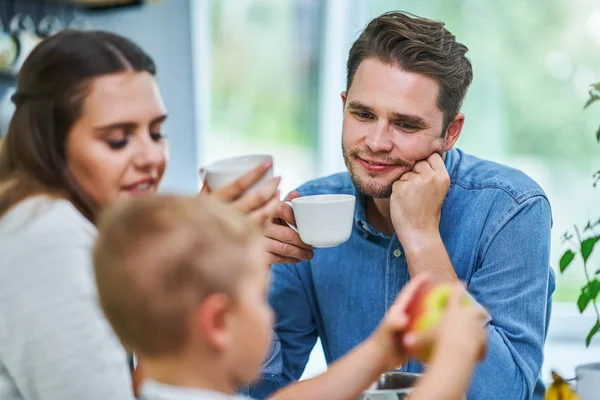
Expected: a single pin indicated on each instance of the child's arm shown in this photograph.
(350, 376)
(459, 345)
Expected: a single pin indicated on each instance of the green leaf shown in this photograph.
(566, 259)
(583, 300)
(598, 271)
(598, 134)
(594, 330)
(587, 246)
(588, 293)
(593, 98)
(596, 86)
(594, 287)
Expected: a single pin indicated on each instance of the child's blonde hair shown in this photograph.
(157, 258)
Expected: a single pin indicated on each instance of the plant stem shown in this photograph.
(587, 277)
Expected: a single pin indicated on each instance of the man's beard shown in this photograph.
(372, 189)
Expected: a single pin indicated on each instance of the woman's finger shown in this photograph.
(256, 200)
(235, 190)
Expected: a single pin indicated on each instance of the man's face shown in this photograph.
(391, 121)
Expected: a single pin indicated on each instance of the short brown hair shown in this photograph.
(419, 45)
(157, 258)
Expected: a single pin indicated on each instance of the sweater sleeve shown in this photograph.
(55, 343)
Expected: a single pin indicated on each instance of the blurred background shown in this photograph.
(241, 76)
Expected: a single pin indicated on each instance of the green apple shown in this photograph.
(426, 310)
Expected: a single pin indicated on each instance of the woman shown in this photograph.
(86, 132)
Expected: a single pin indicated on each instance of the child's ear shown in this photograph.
(211, 317)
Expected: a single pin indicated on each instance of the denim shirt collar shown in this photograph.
(360, 210)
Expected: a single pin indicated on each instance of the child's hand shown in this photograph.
(388, 336)
(460, 331)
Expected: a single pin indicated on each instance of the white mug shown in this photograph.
(222, 173)
(588, 381)
(324, 220)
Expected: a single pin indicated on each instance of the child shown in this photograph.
(183, 282)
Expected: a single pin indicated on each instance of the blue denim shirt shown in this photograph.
(495, 224)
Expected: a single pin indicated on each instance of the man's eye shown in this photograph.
(364, 115)
(407, 127)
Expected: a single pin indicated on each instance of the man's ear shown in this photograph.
(344, 96)
(211, 320)
(453, 131)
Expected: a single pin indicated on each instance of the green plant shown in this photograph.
(583, 243)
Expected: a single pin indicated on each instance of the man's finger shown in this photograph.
(436, 162)
(421, 167)
(285, 213)
(284, 233)
(277, 259)
(407, 176)
(292, 195)
(288, 250)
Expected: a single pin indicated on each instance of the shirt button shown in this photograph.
(397, 253)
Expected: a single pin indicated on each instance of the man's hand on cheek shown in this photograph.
(416, 201)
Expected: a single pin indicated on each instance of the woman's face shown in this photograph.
(116, 148)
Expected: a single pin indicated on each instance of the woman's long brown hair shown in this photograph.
(51, 88)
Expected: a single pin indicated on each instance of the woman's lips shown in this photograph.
(140, 188)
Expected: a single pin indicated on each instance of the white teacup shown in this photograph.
(324, 220)
(223, 172)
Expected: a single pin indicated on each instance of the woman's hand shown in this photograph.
(260, 205)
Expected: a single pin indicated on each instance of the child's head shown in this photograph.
(185, 277)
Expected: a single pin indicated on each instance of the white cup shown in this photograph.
(324, 220)
(222, 173)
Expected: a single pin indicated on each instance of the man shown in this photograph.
(421, 206)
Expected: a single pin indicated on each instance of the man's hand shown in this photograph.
(282, 243)
(416, 202)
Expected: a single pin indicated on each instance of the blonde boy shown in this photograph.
(183, 282)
